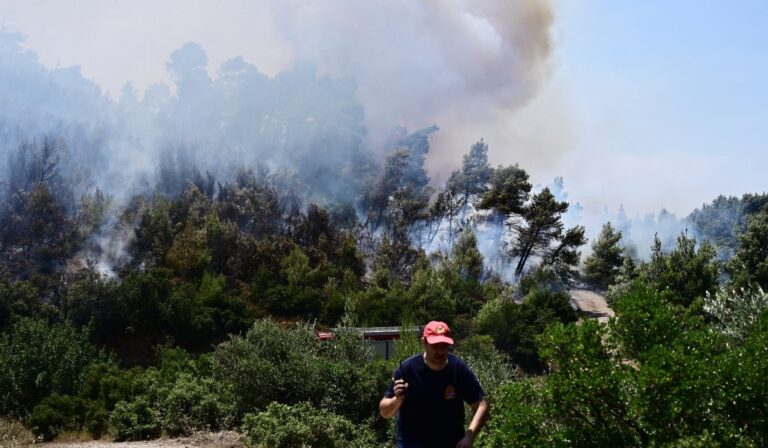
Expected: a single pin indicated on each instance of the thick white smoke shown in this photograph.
(464, 65)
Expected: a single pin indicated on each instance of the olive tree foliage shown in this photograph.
(603, 265)
(735, 311)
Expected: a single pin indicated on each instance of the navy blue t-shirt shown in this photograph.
(432, 414)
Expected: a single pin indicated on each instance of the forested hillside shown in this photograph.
(180, 288)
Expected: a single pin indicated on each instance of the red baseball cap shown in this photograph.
(436, 332)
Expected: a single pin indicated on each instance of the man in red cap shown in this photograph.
(428, 393)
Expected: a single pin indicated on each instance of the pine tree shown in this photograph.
(603, 265)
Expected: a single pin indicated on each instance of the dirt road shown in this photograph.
(227, 439)
(592, 304)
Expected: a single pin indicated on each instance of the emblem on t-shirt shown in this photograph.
(450, 393)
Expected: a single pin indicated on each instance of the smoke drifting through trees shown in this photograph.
(309, 129)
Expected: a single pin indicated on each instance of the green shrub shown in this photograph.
(646, 319)
(289, 365)
(353, 390)
(429, 296)
(58, 413)
(135, 420)
(518, 418)
(271, 363)
(37, 359)
(491, 367)
(736, 311)
(301, 425)
(97, 421)
(656, 376)
(46, 422)
(684, 274)
(355, 379)
(543, 277)
(192, 404)
(107, 384)
(514, 328)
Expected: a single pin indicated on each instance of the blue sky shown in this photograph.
(674, 92)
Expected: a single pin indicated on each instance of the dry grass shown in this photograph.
(13, 434)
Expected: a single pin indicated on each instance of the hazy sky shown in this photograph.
(646, 104)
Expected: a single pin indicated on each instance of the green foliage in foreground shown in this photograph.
(655, 376)
(491, 366)
(37, 360)
(58, 413)
(301, 425)
(288, 365)
(735, 312)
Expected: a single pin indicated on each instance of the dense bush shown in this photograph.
(58, 413)
(543, 277)
(38, 359)
(519, 417)
(19, 299)
(270, 363)
(179, 393)
(301, 425)
(648, 320)
(289, 365)
(514, 327)
(686, 273)
(354, 379)
(656, 376)
(380, 304)
(194, 404)
(107, 384)
(491, 367)
(135, 420)
(735, 311)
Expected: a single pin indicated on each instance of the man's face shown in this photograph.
(437, 353)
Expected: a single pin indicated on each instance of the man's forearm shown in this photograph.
(478, 420)
(388, 407)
